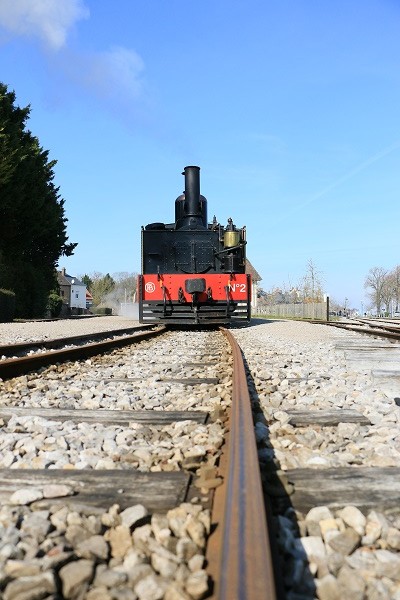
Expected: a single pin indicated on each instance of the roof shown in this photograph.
(65, 279)
(250, 270)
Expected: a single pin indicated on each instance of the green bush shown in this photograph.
(30, 285)
(101, 310)
(7, 306)
(54, 304)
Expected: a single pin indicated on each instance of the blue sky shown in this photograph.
(291, 108)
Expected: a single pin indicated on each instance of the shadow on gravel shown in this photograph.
(294, 580)
(255, 321)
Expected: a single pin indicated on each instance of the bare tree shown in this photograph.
(376, 283)
(395, 282)
(388, 292)
(311, 284)
(335, 306)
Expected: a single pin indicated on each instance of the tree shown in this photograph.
(32, 220)
(395, 284)
(387, 292)
(311, 285)
(54, 304)
(101, 286)
(87, 281)
(111, 290)
(375, 282)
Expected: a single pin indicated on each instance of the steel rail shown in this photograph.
(382, 332)
(385, 326)
(7, 349)
(238, 552)
(14, 367)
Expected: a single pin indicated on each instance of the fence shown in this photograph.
(309, 310)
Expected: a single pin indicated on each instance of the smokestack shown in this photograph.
(191, 207)
(192, 191)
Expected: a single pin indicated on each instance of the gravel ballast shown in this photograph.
(33, 331)
(328, 553)
(129, 554)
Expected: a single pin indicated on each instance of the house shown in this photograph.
(72, 291)
(255, 278)
(89, 299)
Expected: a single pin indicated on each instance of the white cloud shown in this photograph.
(115, 70)
(49, 20)
(111, 75)
(114, 77)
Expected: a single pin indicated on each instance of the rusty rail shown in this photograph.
(11, 349)
(238, 553)
(14, 367)
(375, 330)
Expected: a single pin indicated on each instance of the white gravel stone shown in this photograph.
(313, 547)
(197, 584)
(133, 514)
(26, 496)
(151, 587)
(354, 518)
(57, 491)
(319, 513)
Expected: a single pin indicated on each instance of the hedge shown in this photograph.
(101, 310)
(7, 306)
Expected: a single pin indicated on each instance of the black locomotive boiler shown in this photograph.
(193, 272)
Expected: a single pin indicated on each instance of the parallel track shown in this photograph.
(13, 367)
(22, 348)
(370, 328)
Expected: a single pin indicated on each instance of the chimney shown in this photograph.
(194, 205)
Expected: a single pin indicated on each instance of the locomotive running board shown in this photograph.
(154, 312)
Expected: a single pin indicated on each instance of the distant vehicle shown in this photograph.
(396, 314)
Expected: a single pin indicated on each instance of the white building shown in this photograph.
(72, 290)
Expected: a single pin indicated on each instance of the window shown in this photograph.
(76, 295)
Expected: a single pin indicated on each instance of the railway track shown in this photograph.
(118, 504)
(29, 356)
(26, 348)
(326, 446)
(383, 329)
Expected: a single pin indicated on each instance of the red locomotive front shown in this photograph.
(192, 271)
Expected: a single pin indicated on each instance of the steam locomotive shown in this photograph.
(193, 272)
